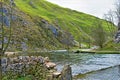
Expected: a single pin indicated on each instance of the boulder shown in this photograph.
(56, 74)
(117, 37)
(50, 65)
(46, 59)
(9, 53)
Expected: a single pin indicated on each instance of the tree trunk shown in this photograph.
(0, 64)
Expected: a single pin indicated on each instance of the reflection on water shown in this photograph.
(101, 64)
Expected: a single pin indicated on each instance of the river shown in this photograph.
(89, 66)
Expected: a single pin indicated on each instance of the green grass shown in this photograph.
(107, 52)
(77, 23)
(111, 46)
(25, 78)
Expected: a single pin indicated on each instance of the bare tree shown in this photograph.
(109, 17)
(4, 21)
(1, 40)
(99, 34)
(113, 17)
(117, 12)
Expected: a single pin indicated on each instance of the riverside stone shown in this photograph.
(50, 65)
(56, 74)
(41, 59)
(46, 59)
(66, 73)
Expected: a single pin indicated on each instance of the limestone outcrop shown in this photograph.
(117, 37)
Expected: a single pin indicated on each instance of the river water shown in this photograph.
(90, 66)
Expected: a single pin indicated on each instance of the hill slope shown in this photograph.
(48, 24)
(75, 21)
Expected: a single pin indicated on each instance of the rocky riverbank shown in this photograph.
(26, 65)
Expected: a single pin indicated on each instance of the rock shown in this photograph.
(49, 77)
(46, 59)
(66, 73)
(32, 4)
(15, 60)
(17, 64)
(56, 74)
(27, 58)
(4, 61)
(24, 59)
(9, 53)
(41, 59)
(77, 51)
(20, 57)
(32, 58)
(117, 37)
(50, 65)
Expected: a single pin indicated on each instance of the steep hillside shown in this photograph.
(45, 25)
(75, 22)
(65, 18)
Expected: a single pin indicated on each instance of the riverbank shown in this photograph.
(107, 52)
(37, 53)
(96, 51)
(30, 68)
(80, 63)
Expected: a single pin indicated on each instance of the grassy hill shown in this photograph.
(46, 24)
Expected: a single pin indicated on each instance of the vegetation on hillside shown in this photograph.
(77, 23)
(42, 25)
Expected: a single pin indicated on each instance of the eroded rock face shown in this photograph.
(117, 37)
